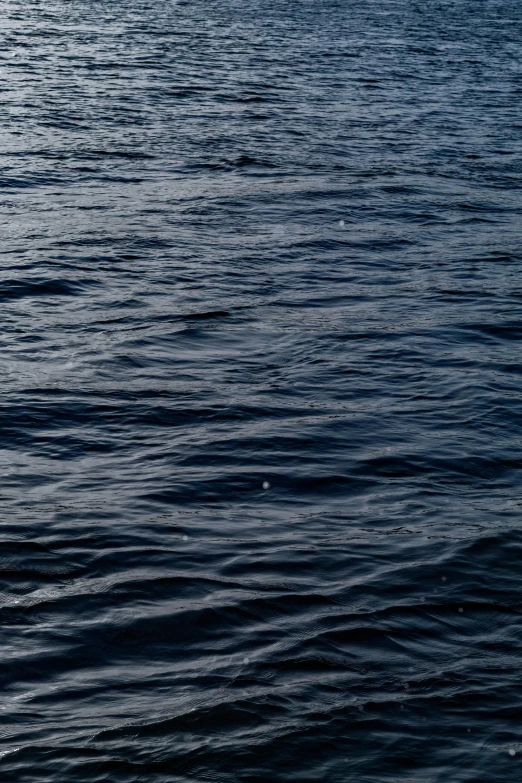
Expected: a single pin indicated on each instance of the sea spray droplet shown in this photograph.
(266, 485)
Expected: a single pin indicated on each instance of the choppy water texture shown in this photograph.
(261, 412)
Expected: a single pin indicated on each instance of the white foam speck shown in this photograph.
(266, 485)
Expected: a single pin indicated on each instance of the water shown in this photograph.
(261, 417)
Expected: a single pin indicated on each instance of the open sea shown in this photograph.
(260, 401)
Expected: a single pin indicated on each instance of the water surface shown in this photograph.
(260, 416)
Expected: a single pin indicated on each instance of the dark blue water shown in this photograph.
(261, 418)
